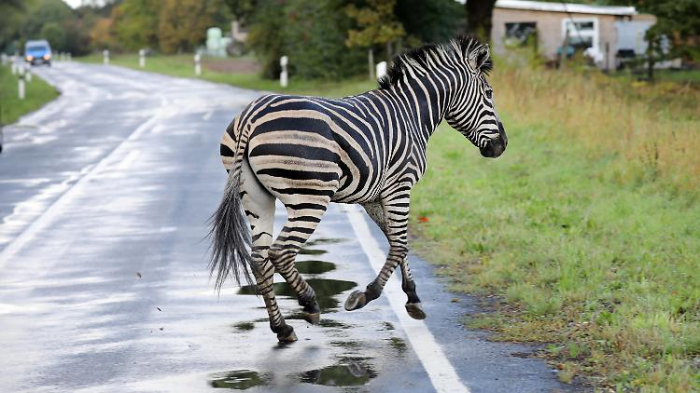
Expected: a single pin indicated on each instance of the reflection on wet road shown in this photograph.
(353, 362)
(103, 280)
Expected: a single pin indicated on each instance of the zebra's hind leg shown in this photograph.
(259, 207)
(302, 220)
(392, 218)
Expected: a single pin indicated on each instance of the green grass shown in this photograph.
(12, 108)
(183, 66)
(676, 76)
(605, 269)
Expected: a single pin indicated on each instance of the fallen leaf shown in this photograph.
(423, 219)
(138, 274)
(159, 309)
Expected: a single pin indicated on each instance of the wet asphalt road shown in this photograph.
(104, 198)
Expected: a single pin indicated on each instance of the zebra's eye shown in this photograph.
(489, 94)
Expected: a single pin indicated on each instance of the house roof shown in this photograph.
(565, 7)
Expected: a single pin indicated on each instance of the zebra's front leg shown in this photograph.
(392, 218)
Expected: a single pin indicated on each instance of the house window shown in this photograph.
(583, 33)
(518, 33)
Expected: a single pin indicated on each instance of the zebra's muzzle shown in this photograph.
(496, 146)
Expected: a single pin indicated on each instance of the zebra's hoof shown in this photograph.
(285, 334)
(312, 318)
(356, 300)
(415, 310)
(288, 338)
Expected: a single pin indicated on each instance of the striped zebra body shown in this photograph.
(368, 149)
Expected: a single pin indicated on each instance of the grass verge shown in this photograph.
(183, 66)
(12, 108)
(586, 231)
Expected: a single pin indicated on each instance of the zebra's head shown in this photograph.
(472, 111)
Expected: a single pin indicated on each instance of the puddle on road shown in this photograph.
(244, 326)
(329, 323)
(314, 267)
(398, 344)
(319, 242)
(325, 290)
(308, 251)
(347, 373)
(239, 379)
(316, 242)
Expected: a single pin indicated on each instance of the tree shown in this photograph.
(679, 20)
(135, 24)
(429, 21)
(479, 18)
(265, 36)
(53, 33)
(242, 10)
(102, 34)
(311, 33)
(314, 40)
(12, 16)
(42, 13)
(377, 24)
(183, 24)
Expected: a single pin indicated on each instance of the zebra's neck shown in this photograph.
(424, 99)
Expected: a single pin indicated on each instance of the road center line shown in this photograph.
(56, 209)
(442, 375)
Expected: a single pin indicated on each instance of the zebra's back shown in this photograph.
(311, 146)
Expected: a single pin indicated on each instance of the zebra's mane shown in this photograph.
(417, 59)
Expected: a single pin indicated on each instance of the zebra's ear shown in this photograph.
(478, 57)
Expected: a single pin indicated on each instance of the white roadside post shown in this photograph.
(283, 75)
(197, 64)
(381, 69)
(28, 74)
(142, 58)
(69, 56)
(105, 56)
(20, 86)
(4, 59)
(13, 61)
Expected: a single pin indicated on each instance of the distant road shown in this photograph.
(105, 194)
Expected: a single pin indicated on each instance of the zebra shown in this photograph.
(368, 149)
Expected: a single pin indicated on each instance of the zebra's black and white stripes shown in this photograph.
(368, 149)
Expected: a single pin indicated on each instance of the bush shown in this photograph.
(311, 33)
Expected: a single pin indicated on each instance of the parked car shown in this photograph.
(37, 52)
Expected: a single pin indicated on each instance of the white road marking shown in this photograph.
(439, 369)
(129, 159)
(56, 209)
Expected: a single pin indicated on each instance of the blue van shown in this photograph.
(37, 52)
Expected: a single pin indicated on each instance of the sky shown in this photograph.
(73, 3)
(77, 3)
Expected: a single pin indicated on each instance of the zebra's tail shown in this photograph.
(229, 234)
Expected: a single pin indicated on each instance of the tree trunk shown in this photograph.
(479, 15)
(650, 58)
